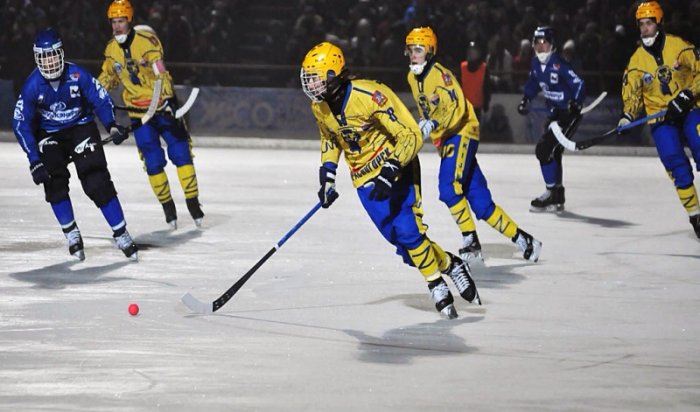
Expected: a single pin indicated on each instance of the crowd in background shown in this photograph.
(232, 42)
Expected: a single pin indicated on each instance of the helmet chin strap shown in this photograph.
(544, 57)
(417, 69)
(121, 38)
(649, 41)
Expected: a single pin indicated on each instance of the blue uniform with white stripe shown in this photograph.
(58, 105)
(560, 85)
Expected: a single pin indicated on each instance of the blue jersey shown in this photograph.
(55, 105)
(557, 80)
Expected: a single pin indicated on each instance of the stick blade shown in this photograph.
(561, 138)
(196, 305)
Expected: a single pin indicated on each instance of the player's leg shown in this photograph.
(91, 166)
(485, 209)
(55, 156)
(153, 157)
(457, 154)
(552, 200)
(691, 131)
(180, 153)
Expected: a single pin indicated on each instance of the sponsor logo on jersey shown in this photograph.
(84, 145)
(379, 98)
(74, 91)
(57, 107)
(447, 79)
(61, 116)
(18, 109)
(101, 91)
(74, 76)
(556, 66)
(118, 68)
(554, 78)
(46, 142)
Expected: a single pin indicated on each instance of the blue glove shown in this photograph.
(522, 107)
(39, 173)
(118, 133)
(327, 193)
(384, 182)
(680, 105)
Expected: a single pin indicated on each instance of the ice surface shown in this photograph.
(606, 321)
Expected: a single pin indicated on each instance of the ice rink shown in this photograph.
(608, 320)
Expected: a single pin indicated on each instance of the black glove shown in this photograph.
(170, 107)
(327, 193)
(385, 180)
(118, 133)
(39, 173)
(680, 105)
(522, 107)
(574, 108)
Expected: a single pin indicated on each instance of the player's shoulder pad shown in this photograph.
(149, 36)
(373, 89)
(445, 74)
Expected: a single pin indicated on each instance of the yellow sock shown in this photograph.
(160, 186)
(463, 216)
(689, 199)
(500, 221)
(188, 181)
(429, 258)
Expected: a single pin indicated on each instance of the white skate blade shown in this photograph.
(196, 305)
(198, 222)
(173, 224)
(448, 312)
(80, 255)
(547, 209)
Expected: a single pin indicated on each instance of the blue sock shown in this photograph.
(551, 173)
(63, 210)
(114, 214)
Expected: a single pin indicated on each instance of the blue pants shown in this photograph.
(400, 217)
(461, 176)
(175, 136)
(670, 139)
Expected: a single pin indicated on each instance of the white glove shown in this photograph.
(625, 119)
(426, 127)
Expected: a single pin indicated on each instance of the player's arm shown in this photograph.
(690, 56)
(108, 78)
(153, 57)
(330, 154)
(631, 92)
(23, 123)
(449, 107)
(98, 98)
(397, 120)
(530, 90)
(577, 85)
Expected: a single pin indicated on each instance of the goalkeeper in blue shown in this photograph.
(448, 119)
(366, 122)
(54, 122)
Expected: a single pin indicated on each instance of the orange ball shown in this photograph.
(133, 309)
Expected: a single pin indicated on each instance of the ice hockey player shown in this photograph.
(54, 122)
(664, 74)
(449, 121)
(564, 92)
(366, 122)
(134, 58)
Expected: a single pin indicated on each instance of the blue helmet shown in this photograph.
(48, 53)
(542, 35)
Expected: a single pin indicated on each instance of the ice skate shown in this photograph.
(695, 221)
(170, 214)
(552, 200)
(460, 275)
(471, 249)
(126, 244)
(75, 243)
(195, 210)
(442, 297)
(527, 244)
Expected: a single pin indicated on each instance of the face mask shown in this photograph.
(649, 41)
(417, 69)
(544, 57)
(120, 38)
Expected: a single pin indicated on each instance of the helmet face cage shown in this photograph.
(322, 63)
(48, 54)
(650, 10)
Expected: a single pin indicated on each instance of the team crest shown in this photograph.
(647, 79)
(447, 79)
(663, 73)
(118, 68)
(74, 91)
(434, 99)
(379, 98)
(554, 78)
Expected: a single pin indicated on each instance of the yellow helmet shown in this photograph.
(120, 8)
(650, 10)
(322, 63)
(423, 36)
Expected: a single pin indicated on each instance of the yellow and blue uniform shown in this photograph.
(461, 183)
(371, 127)
(137, 64)
(654, 76)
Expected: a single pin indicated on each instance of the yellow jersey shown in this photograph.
(439, 97)
(373, 126)
(653, 84)
(136, 67)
